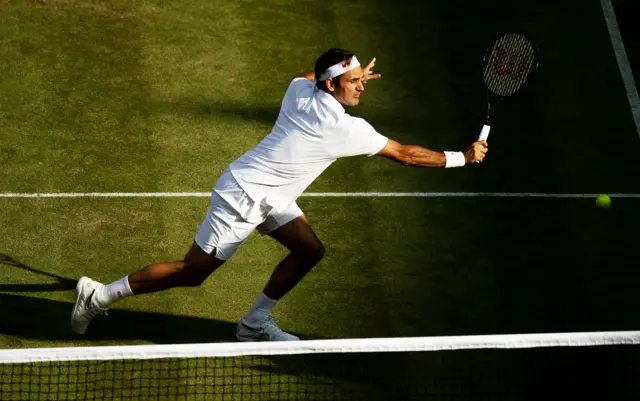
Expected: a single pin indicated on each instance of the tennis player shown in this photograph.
(259, 191)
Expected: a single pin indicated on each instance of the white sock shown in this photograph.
(261, 309)
(110, 293)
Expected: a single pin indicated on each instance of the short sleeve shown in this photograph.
(298, 88)
(298, 84)
(357, 137)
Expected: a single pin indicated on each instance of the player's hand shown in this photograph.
(476, 152)
(368, 72)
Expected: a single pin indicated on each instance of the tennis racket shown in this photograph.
(507, 65)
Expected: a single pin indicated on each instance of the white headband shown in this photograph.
(339, 69)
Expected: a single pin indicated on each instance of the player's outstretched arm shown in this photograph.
(418, 156)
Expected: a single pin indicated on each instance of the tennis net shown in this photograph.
(553, 366)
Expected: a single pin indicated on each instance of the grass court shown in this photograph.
(160, 96)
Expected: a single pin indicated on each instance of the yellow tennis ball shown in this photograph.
(603, 201)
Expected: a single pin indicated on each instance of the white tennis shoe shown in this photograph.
(85, 307)
(267, 330)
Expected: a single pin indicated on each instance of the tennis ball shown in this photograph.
(603, 201)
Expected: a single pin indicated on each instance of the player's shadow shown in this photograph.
(43, 319)
(62, 283)
(47, 320)
(209, 108)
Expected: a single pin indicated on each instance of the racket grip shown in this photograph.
(484, 134)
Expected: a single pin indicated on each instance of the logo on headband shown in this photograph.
(346, 64)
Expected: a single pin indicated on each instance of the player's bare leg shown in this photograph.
(306, 251)
(93, 298)
(190, 272)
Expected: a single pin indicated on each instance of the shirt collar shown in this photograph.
(329, 101)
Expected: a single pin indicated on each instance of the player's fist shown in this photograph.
(476, 152)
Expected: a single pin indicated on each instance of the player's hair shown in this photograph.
(330, 57)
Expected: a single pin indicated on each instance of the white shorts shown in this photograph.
(232, 217)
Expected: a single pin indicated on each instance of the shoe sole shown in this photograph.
(254, 339)
(247, 340)
(75, 305)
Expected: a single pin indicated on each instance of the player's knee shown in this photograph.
(195, 275)
(194, 280)
(315, 252)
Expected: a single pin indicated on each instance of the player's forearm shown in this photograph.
(310, 75)
(418, 156)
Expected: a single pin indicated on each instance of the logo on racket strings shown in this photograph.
(510, 64)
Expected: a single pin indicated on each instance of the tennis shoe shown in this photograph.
(267, 330)
(85, 307)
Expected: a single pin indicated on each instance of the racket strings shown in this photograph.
(510, 61)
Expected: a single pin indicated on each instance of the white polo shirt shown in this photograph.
(311, 132)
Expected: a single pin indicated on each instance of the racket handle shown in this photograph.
(484, 134)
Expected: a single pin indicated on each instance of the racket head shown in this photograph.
(508, 63)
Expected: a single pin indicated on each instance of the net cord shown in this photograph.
(401, 344)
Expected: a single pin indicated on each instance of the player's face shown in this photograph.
(351, 87)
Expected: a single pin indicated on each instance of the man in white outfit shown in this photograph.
(259, 191)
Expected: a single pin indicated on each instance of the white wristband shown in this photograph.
(454, 159)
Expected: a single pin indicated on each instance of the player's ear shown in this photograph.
(330, 85)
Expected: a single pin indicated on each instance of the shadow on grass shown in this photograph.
(209, 108)
(44, 319)
(62, 284)
(47, 320)
(371, 376)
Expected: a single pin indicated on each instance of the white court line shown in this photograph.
(623, 61)
(316, 194)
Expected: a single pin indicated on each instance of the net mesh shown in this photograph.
(510, 62)
(544, 372)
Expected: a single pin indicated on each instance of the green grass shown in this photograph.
(523, 266)
(148, 96)
(138, 96)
